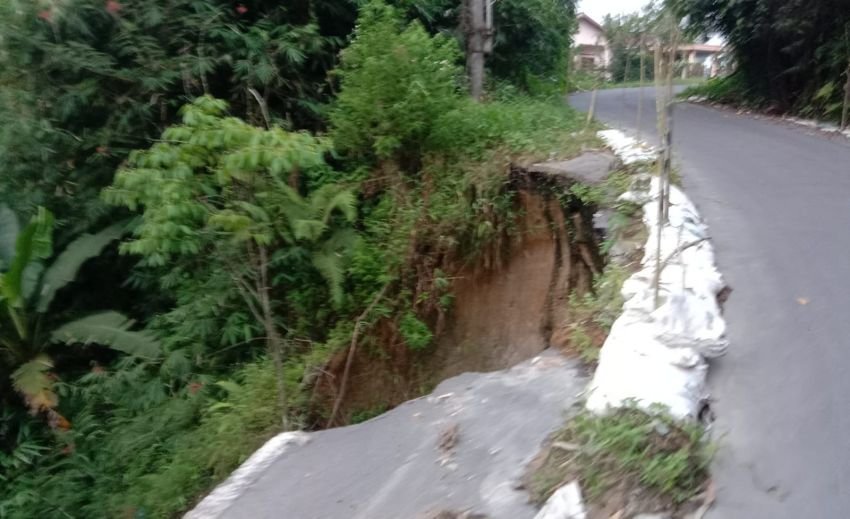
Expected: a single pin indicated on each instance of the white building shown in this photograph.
(702, 60)
(592, 51)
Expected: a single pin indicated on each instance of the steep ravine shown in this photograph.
(501, 315)
(463, 448)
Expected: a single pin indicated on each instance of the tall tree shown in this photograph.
(220, 189)
(790, 54)
(82, 82)
(627, 35)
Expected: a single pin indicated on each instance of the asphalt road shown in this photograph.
(777, 199)
(463, 448)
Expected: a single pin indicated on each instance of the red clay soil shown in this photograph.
(501, 318)
(498, 318)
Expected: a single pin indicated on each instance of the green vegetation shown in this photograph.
(152, 455)
(27, 290)
(629, 36)
(592, 314)
(217, 203)
(389, 107)
(534, 54)
(628, 452)
(725, 90)
(581, 82)
(790, 56)
(277, 173)
(89, 81)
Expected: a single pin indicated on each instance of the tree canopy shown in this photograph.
(204, 204)
(790, 55)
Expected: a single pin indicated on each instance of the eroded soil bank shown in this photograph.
(503, 311)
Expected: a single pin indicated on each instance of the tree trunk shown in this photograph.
(475, 45)
(274, 341)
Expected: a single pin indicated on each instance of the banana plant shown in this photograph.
(28, 286)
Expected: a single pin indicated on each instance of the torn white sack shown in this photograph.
(657, 355)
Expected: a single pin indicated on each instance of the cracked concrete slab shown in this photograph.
(591, 168)
(463, 448)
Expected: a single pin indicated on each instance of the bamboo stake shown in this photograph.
(640, 87)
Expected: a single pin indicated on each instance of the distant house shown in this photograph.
(701, 59)
(591, 48)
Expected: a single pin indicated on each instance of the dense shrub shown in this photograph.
(790, 55)
(97, 87)
(396, 81)
(149, 459)
(731, 89)
(83, 82)
(532, 43)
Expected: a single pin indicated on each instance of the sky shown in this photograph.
(597, 9)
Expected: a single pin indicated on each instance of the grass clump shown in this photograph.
(592, 314)
(515, 125)
(731, 90)
(629, 452)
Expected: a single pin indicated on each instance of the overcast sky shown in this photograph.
(597, 9)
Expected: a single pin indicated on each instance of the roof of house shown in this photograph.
(591, 21)
(701, 47)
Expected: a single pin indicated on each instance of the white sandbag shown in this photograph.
(656, 351)
(628, 149)
(565, 503)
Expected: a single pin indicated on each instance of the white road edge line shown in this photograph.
(223, 496)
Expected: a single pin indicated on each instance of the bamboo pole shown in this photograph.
(640, 85)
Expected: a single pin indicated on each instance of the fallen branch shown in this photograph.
(708, 501)
(352, 349)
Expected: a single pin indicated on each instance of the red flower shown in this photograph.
(113, 7)
(45, 15)
(194, 387)
(241, 9)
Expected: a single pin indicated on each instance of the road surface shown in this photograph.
(777, 199)
(463, 448)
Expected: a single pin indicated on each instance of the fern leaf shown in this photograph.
(329, 265)
(310, 230)
(330, 198)
(108, 329)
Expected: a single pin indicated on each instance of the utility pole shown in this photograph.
(479, 42)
